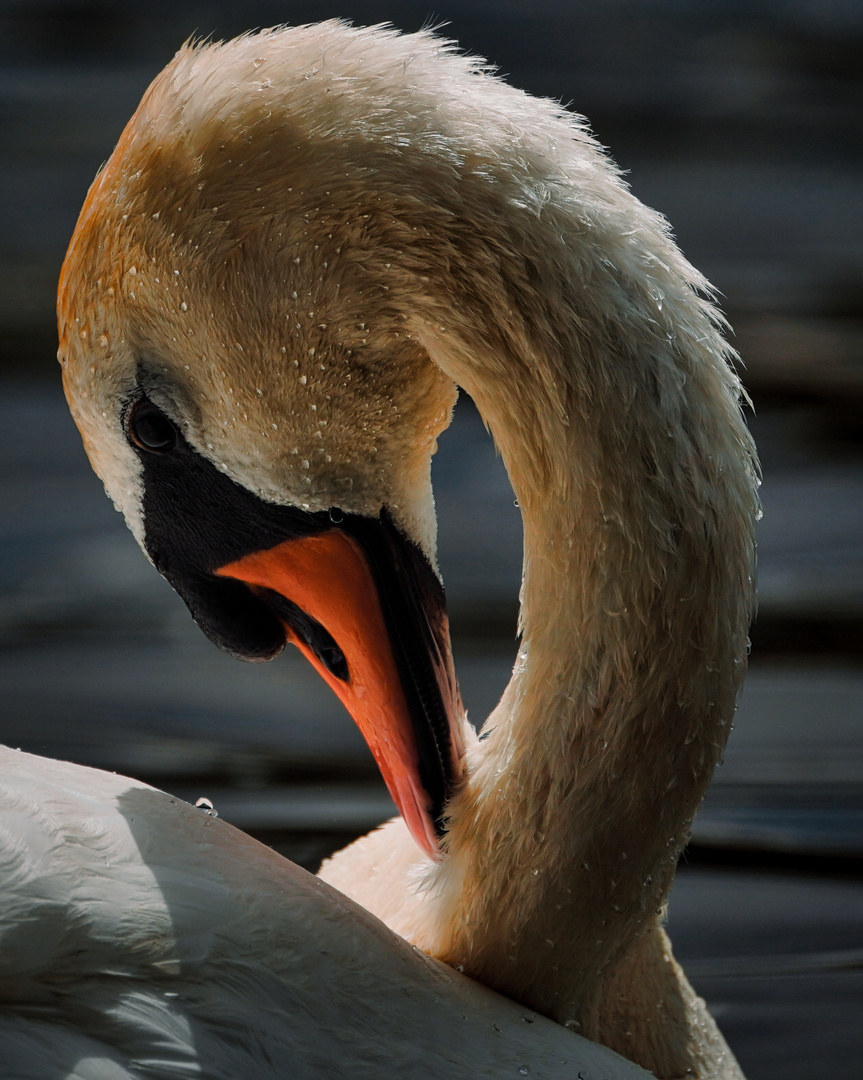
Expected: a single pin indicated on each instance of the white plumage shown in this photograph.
(143, 938)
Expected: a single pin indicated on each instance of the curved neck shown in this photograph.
(623, 440)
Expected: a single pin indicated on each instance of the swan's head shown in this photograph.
(248, 388)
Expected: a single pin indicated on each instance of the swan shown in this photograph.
(304, 242)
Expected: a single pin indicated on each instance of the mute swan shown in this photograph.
(304, 241)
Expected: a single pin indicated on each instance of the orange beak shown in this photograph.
(406, 704)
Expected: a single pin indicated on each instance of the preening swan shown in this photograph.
(305, 240)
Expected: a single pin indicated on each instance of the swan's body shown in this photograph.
(141, 938)
(303, 242)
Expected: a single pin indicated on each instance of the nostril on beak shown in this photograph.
(309, 630)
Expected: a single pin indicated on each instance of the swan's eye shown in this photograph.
(150, 429)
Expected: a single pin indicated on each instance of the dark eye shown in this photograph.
(149, 428)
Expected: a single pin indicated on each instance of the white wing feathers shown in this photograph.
(143, 938)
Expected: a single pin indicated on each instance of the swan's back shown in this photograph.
(141, 937)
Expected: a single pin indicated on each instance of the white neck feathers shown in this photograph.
(617, 416)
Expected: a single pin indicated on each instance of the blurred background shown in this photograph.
(742, 123)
